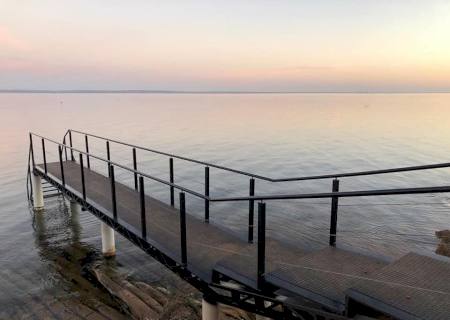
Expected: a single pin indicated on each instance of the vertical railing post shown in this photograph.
(32, 151)
(183, 229)
(61, 164)
(108, 152)
(28, 182)
(65, 149)
(251, 210)
(172, 189)
(261, 244)
(87, 151)
(83, 183)
(108, 156)
(207, 194)
(44, 157)
(71, 145)
(31, 188)
(135, 169)
(334, 211)
(142, 198)
(113, 191)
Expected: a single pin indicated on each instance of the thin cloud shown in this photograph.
(10, 41)
(302, 68)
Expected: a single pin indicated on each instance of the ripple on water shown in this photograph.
(273, 135)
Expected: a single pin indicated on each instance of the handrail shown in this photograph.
(261, 177)
(342, 194)
(368, 173)
(123, 167)
(175, 156)
(261, 228)
(362, 193)
(65, 135)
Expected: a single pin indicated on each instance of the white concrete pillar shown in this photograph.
(38, 194)
(209, 311)
(75, 208)
(108, 241)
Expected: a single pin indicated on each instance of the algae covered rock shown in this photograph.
(443, 247)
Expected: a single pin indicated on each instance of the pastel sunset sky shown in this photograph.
(345, 45)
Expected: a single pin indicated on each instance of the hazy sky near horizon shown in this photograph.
(346, 45)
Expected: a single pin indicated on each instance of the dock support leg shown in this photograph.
(75, 208)
(38, 194)
(260, 317)
(108, 241)
(210, 310)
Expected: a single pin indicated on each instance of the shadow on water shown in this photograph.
(308, 134)
(62, 286)
(60, 283)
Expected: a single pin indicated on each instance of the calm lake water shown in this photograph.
(277, 135)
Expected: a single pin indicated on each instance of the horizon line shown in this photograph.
(144, 91)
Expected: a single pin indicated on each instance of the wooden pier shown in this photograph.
(267, 277)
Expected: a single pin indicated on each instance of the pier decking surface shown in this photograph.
(414, 287)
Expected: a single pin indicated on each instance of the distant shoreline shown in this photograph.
(212, 92)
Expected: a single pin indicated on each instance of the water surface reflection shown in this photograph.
(274, 135)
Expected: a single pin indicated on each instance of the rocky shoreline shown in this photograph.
(95, 289)
(143, 301)
(443, 247)
(99, 288)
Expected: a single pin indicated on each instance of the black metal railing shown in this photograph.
(334, 195)
(253, 176)
(29, 168)
(265, 178)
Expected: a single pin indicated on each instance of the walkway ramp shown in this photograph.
(206, 243)
(328, 277)
(214, 250)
